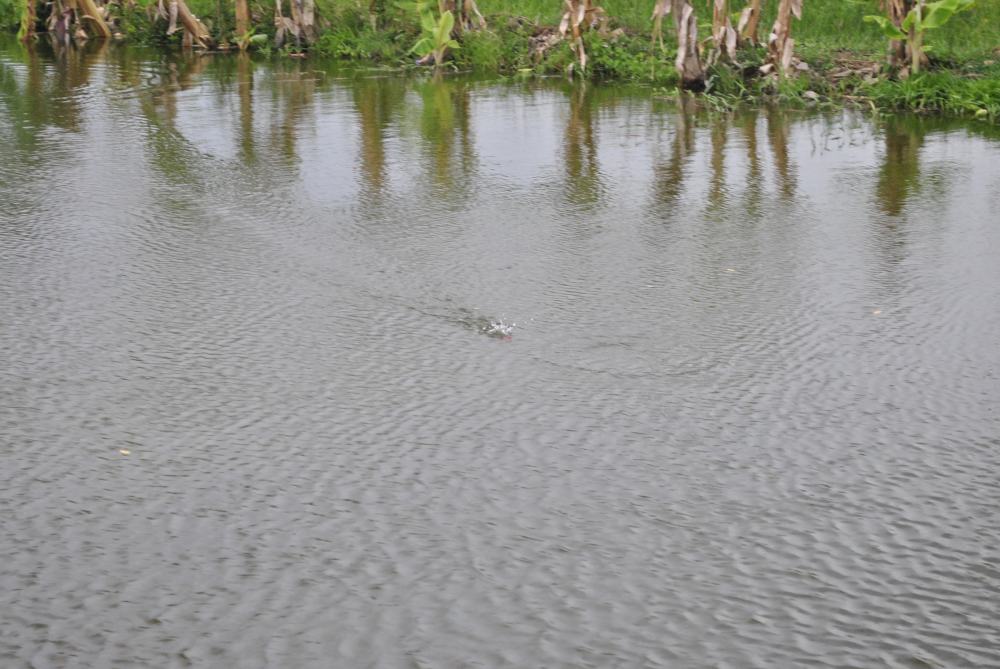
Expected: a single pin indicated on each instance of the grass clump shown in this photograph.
(355, 39)
(939, 92)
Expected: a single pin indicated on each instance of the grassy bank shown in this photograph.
(846, 55)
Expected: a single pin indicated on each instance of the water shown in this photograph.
(255, 410)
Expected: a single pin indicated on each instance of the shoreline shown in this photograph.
(514, 47)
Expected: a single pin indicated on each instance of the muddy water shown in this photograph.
(741, 410)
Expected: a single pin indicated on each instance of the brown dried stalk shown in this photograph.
(780, 45)
(195, 32)
(95, 23)
(301, 25)
(749, 21)
(579, 15)
(688, 62)
(723, 34)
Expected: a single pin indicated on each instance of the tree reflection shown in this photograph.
(446, 132)
(55, 76)
(754, 188)
(583, 176)
(376, 101)
(899, 176)
(292, 93)
(777, 134)
(717, 181)
(171, 154)
(670, 174)
(244, 95)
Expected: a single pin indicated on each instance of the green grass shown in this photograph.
(939, 92)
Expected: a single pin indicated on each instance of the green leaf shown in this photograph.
(887, 27)
(422, 47)
(940, 12)
(427, 23)
(445, 24)
(452, 44)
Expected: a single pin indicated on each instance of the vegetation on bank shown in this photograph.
(941, 56)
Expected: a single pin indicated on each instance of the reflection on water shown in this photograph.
(670, 172)
(900, 173)
(583, 174)
(376, 104)
(260, 405)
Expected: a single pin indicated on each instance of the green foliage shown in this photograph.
(938, 92)
(504, 51)
(627, 59)
(359, 43)
(918, 21)
(137, 26)
(935, 15)
(435, 37)
(887, 27)
(10, 15)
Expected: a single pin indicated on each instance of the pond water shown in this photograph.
(313, 368)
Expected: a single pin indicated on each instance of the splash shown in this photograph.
(499, 328)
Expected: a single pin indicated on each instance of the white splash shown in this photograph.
(499, 328)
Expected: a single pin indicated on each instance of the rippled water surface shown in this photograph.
(306, 368)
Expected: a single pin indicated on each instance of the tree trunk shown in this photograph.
(574, 17)
(748, 26)
(28, 20)
(192, 26)
(303, 14)
(242, 21)
(780, 44)
(95, 19)
(723, 35)
(471, 18)
(688, 62)
(898, 53)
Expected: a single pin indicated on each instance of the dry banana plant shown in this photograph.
(301, 25)
(471, 18)
(466, 12)
(195, 32)
(723, 33)
(242, 14)
(28, 19)
(688, 61)
(94, 16)
(580, 15)
(747, 27)
(660, 9)
(85, 15)
(780, 45)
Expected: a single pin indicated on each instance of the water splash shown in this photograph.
(498, 328)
